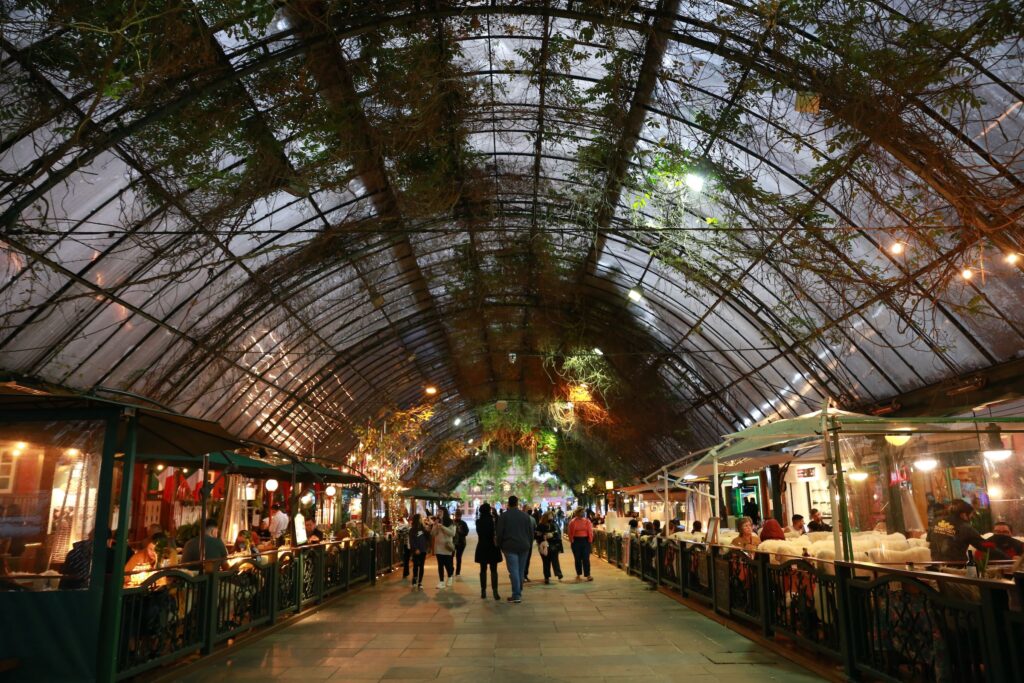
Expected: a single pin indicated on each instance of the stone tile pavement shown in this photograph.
(612, 629)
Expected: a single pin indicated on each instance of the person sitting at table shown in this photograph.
(798, 525)
(697, 527)
(263, 532)
(817, 524)
(1002, 538)
(146, 556)
(772, 531)
(313, 534)
(953, 534)
(747, 540)
(215, 550)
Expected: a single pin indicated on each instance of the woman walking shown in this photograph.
(444, 547)
(581, 535)
(461, 532)
(487, 553)
(548, 533)
(419, 544)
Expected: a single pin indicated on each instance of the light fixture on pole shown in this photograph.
(270, 485)
(331, 490)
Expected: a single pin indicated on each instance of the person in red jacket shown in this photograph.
(581, 535)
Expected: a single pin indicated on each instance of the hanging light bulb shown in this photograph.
(1012, 258)
(897, 248)
(967, 273)
(635, 295)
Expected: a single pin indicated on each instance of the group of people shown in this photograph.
(507, 537)
(441, 535)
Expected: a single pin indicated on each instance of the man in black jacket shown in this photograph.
(953, 534)
(514, 533)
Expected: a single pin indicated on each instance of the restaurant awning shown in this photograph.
(307, 471)
(159, 432)
(222, 460)
(427, 494)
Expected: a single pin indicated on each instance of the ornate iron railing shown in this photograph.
(176, 612)
(803, 605)
(244, 597)
(878, 622)
(161, 620)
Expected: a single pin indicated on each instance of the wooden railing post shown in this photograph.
(847, 627)
(994, 605)
(275, 587)
(210, 605)
(764, 599)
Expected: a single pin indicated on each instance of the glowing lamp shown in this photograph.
(857, 475)
(897, 439)
(634, 294)
(457, 421)
(926, 464)
(896, 249)
(609, 485)
(689, 477)
(331, 490)
(270, 485)
(430, 391)
(997, 455)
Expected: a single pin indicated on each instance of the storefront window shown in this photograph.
(49, 474)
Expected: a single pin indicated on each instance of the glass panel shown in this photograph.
(49, 474)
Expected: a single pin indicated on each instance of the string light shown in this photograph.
(967, 273)
(897, 248)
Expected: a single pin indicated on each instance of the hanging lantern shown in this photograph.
(270, 485)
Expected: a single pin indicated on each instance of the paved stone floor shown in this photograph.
(612, 629)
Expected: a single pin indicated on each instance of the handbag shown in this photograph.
(544, 548)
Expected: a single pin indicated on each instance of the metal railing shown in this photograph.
(175, 612)
(878, 622)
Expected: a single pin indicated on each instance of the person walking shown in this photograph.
(419, 545)
(444, 547)
(534, 517)
(487, 555)
(548, 533)
(581, 536)
(514, 535)
(461, 532)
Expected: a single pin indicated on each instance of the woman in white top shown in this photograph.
(444, 547)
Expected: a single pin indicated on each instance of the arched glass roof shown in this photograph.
(285, 217)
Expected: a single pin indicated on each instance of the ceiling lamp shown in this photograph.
(898, 439)
(457, 421)
(270, 485)
(635, 295)
(967, 273)
(926, 464)
(689, 477)
(430, 391)
(994, 450)
(694, 181)
(997, 455)
(1013, 258)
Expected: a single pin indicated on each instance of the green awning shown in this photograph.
(427, 494)
(311, 471)
(218, 461)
